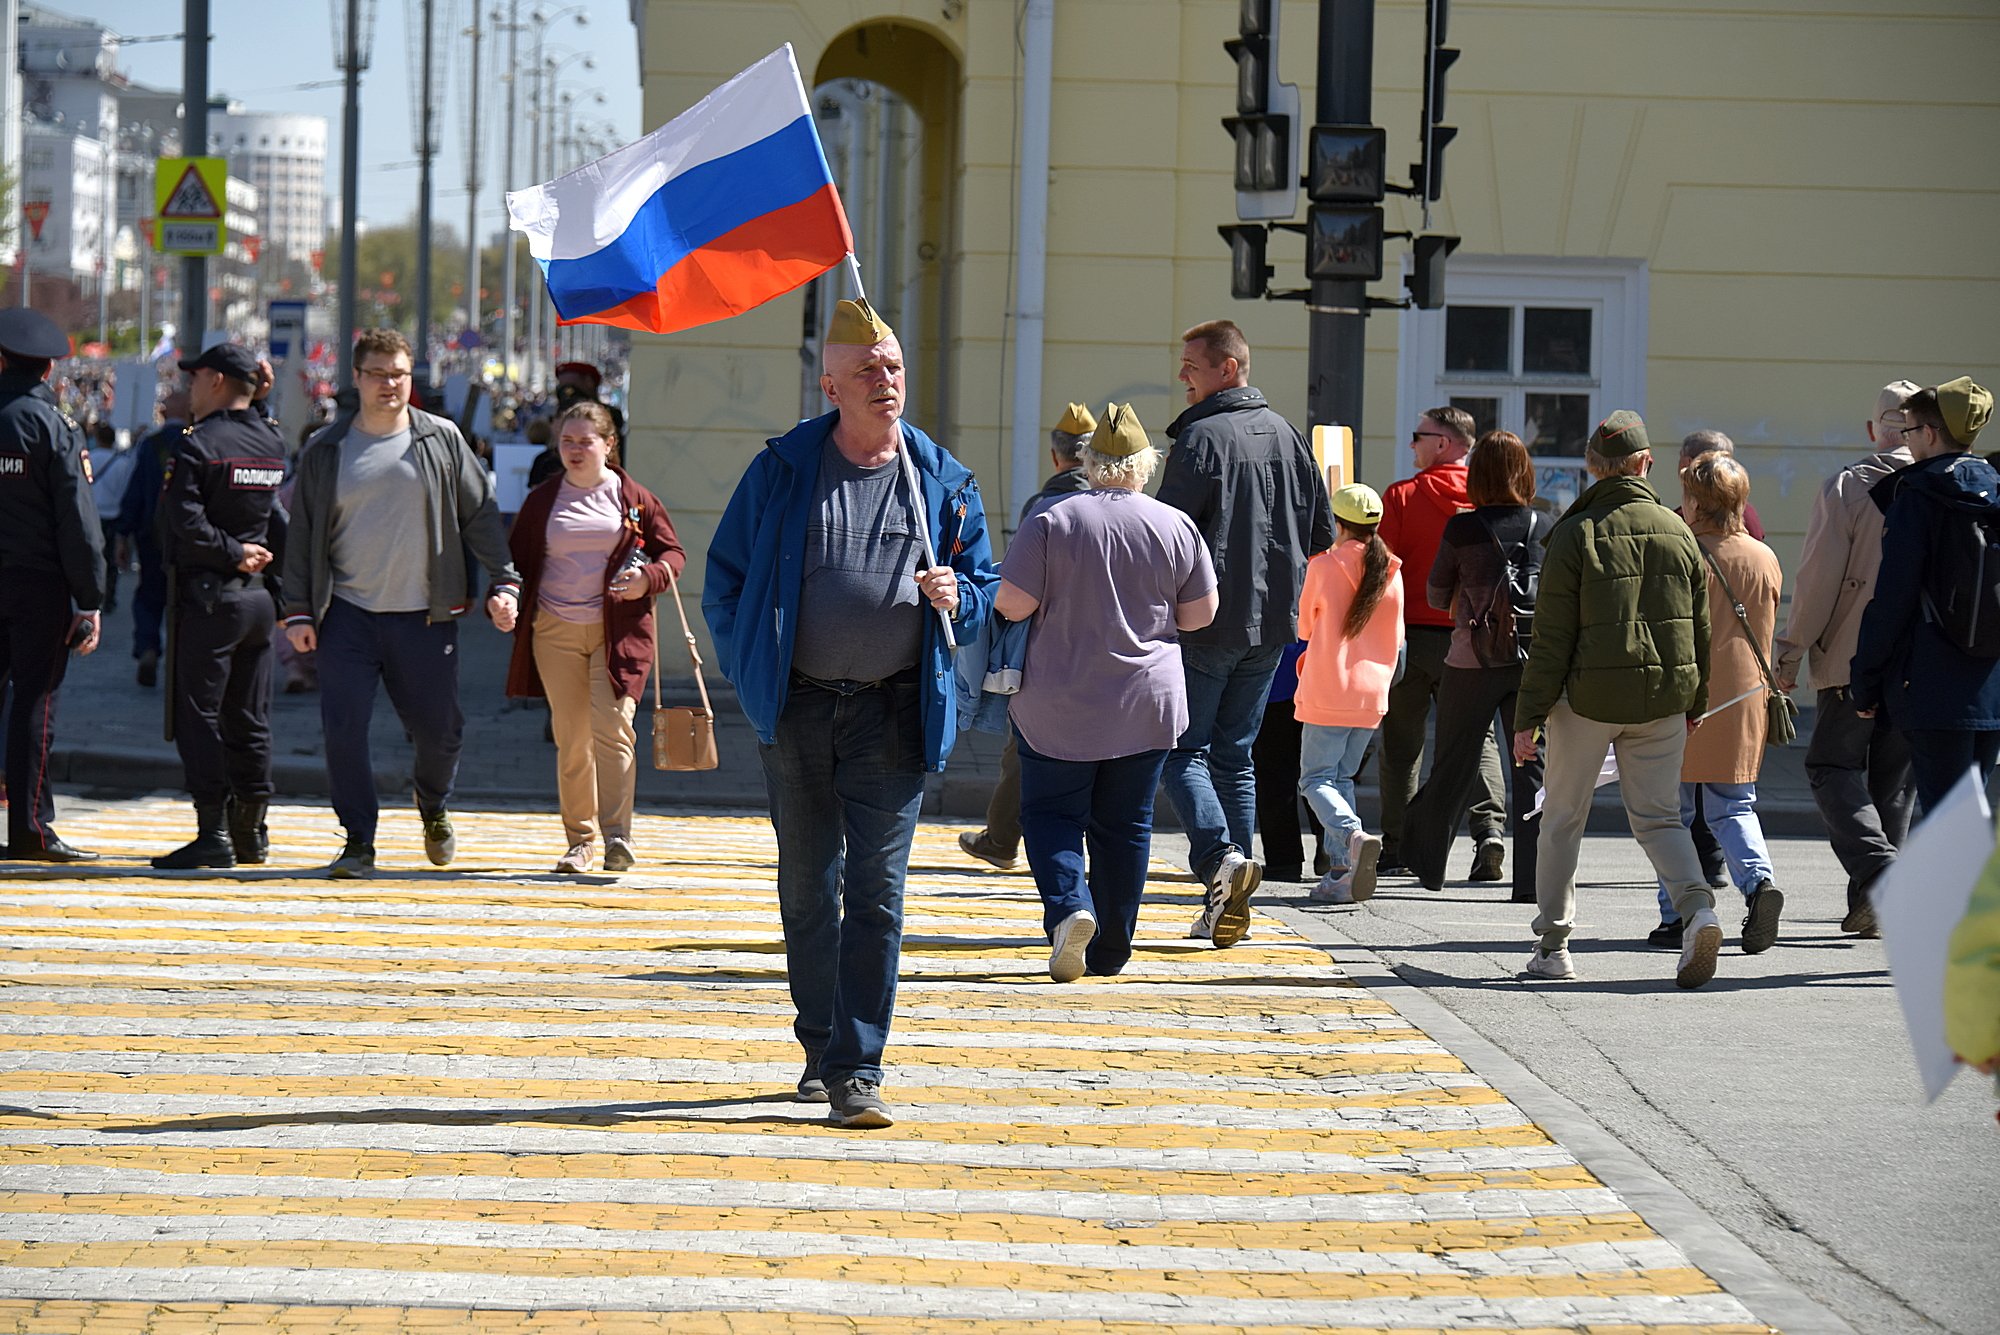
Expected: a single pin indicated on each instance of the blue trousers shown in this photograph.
(1210, 778)
(418, 664)
(846, 782)
(1731, 812)
(1105, 806)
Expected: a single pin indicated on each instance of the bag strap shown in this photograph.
(694, 654)
(1736, 605)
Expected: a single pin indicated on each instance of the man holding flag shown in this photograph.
(817, 580)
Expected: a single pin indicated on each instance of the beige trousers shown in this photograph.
(1649, 781)
(593, 728)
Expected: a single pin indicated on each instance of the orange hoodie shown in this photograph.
(1413, 515)
(1344, 683)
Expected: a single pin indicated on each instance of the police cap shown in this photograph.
(27, 333)
(232, 359)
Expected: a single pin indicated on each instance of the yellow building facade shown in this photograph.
(1746, 215)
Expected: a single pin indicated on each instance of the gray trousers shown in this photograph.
(1399, 755)
(1649, 780)
(1859, 769)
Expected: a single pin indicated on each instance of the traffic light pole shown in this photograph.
(1338, 309)
(194, 144)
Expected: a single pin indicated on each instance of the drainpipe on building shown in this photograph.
(1031, 246)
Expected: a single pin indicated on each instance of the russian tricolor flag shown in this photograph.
(721, 209)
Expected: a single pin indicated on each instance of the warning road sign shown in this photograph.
(188, 196)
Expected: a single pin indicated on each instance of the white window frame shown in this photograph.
(1615, 291)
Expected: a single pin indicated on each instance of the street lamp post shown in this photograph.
(539, 21)
(542, 157)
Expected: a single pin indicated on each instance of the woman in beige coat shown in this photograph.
(1724, 755)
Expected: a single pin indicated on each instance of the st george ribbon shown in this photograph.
(724, 207)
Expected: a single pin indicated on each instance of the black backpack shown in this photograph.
(1961, 588)
(1500, 631)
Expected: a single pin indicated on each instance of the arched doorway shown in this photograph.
(886, 95)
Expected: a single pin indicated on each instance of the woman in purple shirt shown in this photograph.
(1110, 577)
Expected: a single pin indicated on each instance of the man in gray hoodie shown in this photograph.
(1859, 768)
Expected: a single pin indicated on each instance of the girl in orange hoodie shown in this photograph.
(1351, 615)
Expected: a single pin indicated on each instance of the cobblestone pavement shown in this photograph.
(493, 1099)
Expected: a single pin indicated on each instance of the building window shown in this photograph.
(1542, 348)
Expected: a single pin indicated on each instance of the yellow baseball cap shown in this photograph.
(1358, 503)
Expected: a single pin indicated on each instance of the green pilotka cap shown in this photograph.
(1619, 435)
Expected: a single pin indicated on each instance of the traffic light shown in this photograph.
(1265, 126)
(1249, 275)
(1344, 164)
(1428, 175)
(1343, 242)
(1426, 279)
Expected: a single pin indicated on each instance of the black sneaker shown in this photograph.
(1667, 935)
(1489, 861)
(857, 1102)
(812, 1089)
(1760, 924)
(355, 863)
(1391, 863)
(1861, 922)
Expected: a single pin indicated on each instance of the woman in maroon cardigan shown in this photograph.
(593, 547)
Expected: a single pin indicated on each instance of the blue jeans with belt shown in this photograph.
(846, 782)
(1210, 778)
(1107, 807)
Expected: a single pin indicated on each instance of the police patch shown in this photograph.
(255, 476)
(13, 465)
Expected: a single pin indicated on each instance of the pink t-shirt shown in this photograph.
(583, 532)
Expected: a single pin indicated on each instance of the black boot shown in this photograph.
(211, 842)
(248, 833)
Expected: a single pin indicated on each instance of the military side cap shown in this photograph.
(1358, 503)
(1118, 432)
(856, 324)
(1077, 421)
(29, 333)
(1965, 407)
(232, 359)
(1620, 434)
(581, 370)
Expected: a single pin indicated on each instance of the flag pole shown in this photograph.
(910, 480)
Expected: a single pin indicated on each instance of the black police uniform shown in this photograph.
(51, 568)
(221, 493)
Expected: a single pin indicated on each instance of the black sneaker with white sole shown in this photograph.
(857, 1102)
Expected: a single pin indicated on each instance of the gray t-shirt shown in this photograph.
(380, 534)
(860, 617)
(1103, 674)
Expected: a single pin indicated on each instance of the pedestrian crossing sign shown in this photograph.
(188, 199)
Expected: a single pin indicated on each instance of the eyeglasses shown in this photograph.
(1416, 436)
(1904, 431)
(383, 377)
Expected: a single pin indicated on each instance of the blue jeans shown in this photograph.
(1209, 775)
(1108, 805)
(1731, 812)
(846, 781)
(1329, 758)
(418, 663)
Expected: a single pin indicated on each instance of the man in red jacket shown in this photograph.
(1413, 515)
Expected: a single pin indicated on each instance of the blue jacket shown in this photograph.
(756, 563)
(1902, 660)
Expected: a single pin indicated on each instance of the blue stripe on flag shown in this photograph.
(689, 212)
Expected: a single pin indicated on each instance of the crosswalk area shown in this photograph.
(493, 1099)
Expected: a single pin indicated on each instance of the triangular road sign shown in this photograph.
(191, 198)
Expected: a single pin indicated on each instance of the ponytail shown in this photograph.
(1374, 578)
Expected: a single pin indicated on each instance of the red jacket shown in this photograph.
(1413, 515)
(628, 626)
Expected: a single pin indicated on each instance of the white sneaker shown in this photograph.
(1236, 878)
(1700, 944)
(1363, 851)
(1336, 887)
(576, 861)
(618, 855)
(1550, 964)
(1067, 942)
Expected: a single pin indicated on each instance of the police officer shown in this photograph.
(51, 571)
(218, 531)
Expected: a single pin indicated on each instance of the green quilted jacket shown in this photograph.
(1621, 622)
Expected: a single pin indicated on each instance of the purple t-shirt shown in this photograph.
(584, 528)
(1103, 675)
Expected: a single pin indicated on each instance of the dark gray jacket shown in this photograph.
(1247, 478)
(463, 518)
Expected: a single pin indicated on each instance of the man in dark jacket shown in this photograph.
(137, 510)
(1247, 478)
(1619, 661)
(1944, 700)
(998, 842)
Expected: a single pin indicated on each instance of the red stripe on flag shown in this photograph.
(740, 270)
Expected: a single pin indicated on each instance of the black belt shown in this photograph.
(848, 686)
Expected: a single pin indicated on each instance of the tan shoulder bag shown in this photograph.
(683, 739)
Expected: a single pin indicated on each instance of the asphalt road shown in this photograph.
(1781, 1099)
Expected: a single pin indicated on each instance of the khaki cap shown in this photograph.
(1077, 421)
(1118, 433)
(1965, 407)
(856, 324)
(1619, 435)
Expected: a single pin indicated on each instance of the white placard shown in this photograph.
(510, 474)
(136, 386)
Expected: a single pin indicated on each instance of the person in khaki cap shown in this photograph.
(836, 630)
(998, 842)
(1941, 693)
(1111, 578)
(1620, 661)
(1859, 768)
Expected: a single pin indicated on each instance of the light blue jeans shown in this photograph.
(1731, 812)
(1329, 758)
